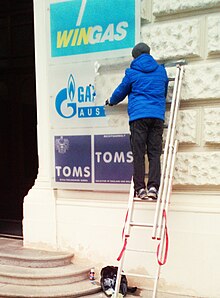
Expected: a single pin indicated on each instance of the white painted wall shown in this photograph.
(90, 223)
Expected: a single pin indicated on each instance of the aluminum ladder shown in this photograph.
(159, 228)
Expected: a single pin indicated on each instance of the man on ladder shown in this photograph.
(145, 83)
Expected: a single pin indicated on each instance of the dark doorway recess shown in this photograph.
(18, 121)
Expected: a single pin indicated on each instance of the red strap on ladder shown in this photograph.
(167, 243)
(125, 240)
(123, 231)
(158, 248)
(123, 248)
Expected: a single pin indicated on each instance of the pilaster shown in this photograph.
(39, 223)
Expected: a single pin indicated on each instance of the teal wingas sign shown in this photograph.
(92, 26)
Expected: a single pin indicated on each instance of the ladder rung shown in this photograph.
(175, 63)
(138, 275)
(140, 224)
(142, 200)
(141, 250)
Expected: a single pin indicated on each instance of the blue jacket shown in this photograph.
(145, 83)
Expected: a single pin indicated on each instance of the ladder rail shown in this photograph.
(169, 160)
(172, 109)
(118, 278)
(156, 282)
(176, 144)
(161, 247)
(130, 208)
(164, 194)
(126, 234)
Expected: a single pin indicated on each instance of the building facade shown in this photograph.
(89, 220)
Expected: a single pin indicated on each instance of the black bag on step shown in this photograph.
(108, 281)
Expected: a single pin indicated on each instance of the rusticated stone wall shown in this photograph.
(190, 30)
(162, 8)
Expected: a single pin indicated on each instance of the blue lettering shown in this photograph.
(88, 94)
(85, 94)
(87, 112)
(80, 94)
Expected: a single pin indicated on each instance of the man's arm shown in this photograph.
(121, 91)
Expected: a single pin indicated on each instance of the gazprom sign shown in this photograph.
(93, 26)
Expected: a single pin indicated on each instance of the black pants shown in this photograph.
(146, 133)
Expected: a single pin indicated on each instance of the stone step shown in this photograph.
(35, 273)
(77, 289)
(17, 275)
(25, 257)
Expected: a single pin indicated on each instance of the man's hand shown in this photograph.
(107, 103)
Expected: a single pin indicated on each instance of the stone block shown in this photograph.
(212, 125)
(146, 10)
(186, 129)
(167, 7)
(173, 40)
(213, 34)
(201, 81)
(197, 169)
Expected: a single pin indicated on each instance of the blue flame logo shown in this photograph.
(65, 99)
(66, 103)
(71, 87)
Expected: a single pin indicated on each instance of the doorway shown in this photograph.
(18, 121)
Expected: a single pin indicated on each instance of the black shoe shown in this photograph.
(152, 194)
(142, 194)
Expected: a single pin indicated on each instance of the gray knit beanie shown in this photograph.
(139, 49)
